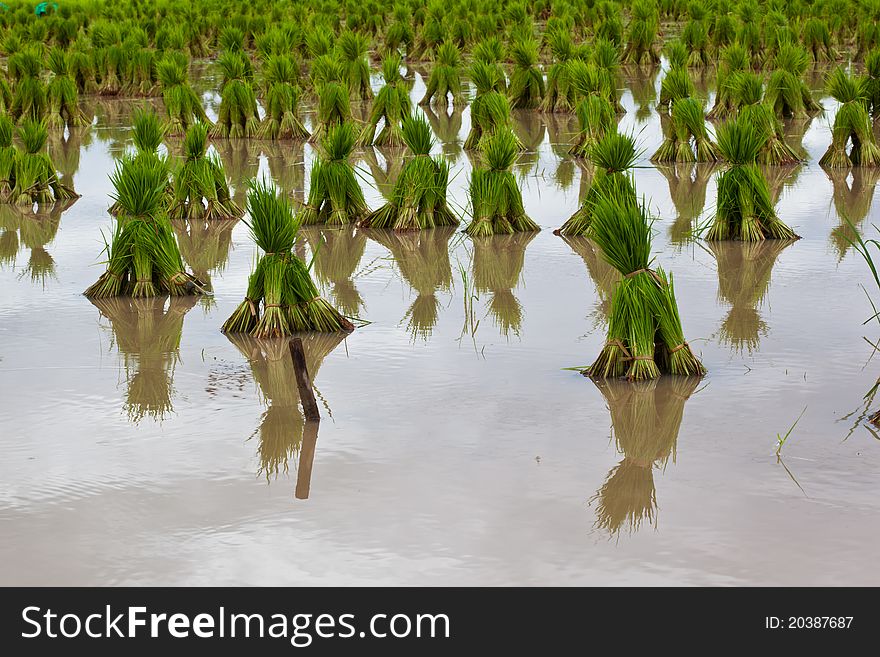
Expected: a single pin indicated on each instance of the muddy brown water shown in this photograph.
(142, 446)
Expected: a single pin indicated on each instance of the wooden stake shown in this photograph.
(306, 458)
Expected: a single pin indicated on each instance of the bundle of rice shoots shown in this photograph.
(786, 92)
(148, 132)
(445, 80)
(559, 95)
(334, 194)
(30, 97)
(334, 107)
(526, 88)
(281, 100)
(183, 107)
(734, 58)
(641, 43)
(237, 117)
(596, 119)
(200, 188)
(852, 127)
(64, 111)
(352, 49)
(752, 109)
(34, 174)
(686, 137)
(490, 108)
(391, 105)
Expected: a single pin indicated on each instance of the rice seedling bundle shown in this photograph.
(418, 200)
(491, 51)
(852, 125)
(282, 298)
(588, 78)
(143, 259)
(30, 98)
(63, 97)
(82, 68)
(399, 36)
(722, 29)
(183, 107)
(428, 40)
(445, 80)
(612, 157)
(5, 94)
(113, 62)
(143, 76)
(238, 116)
(685, 136)
(7, 159)
(872, 85)
(817, 39)
(282, 96)
(334, 194)
(35, 176)
(352, 52)
(497, 270)
(744, 209)
(596, 119)
(641, 38)
(200, 188)
(695, 36)
(390, 106)
(560, 95)
(334, 107)
(676, 85)
(645, 337)
(786, 91)
(748, 92)
(526, 89)
(148, 132)
(490, 109)
(734, 58)
(496, 201)
(645, 418)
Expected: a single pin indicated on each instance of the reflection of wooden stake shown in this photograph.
(306, 394)
(306, 458)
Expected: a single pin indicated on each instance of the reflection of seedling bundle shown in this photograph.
(391, 105)
(490, 109)
(787, 93)
(143, 259)
(30, 98)
(37, 227)
(498, 263)
(337, 253)
(423, 261)
(385, 174)
(282, 96)
(200, 188)
(686, 138)
(734, 59)
(34, 175)
(744, 209)
(852, 203)
(852, 124)
(182, 105)
(64, 149)
(748, 92)
(645, 418)
(419, 197)
(352, 52)
(641, 38)
(603, 275)
(282, 424)
(446, 128)
(687, 188)
(287, 167)
(204, 246)
(642, 82)
(241, 164)
(281, 297)
(147, 336)
(645, 337)
(496, 201)
(744, 271)
(10, 219)
(63, 96)
(238, 116)
(526, 88)
(334, 107)
(445, 79)
(334, 194)
(612, 158)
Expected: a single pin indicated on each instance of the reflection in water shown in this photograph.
(498, 263)
(529, 128)
(446, 129)
(114, 119)
(337, 253)
(794, 131)
(283, 432)
(603, 275)
(65, 151)
(146, 332)
(744, 270)
(204, 246)
(561, 131)
(645, 420)
(241, 162)
(287, 166)
(853, 195)
(384, 176)
(422, 258)
(642, 83)
(32, 228)
(687, 187)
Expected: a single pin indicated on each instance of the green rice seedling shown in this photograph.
(496, 200)
(63, 97)
(351, 49)
(418, 200)
(868, 32)
(143, 257)
(612, 157)
(734, 59)
(645, 337)
(526, 88)
(7, 159)
(872, 85)
(744, 209)
(281, 282)
(490, 50)
(30, 99)
(817, 39)
(695, 36)
(445, 80)
(490, 109)
(641, 38)
(852, 127)
(677, 53)
(281, 95)
(687, 139)
(5, 94)
(148, 132)
(646, 418)
(238, 116)
(334, 194)
(200, 189)
(786, 91)
(36, 179)
(114, 61)
(748, 91)
(143, 75)
(399, 36)
(428, 40)
(587, 78)
(596, 119)
(676, 85)
(183, 107)
(334, 107)
(391, 106)
(559, 95)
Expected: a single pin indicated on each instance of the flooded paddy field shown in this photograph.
(143, 447)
